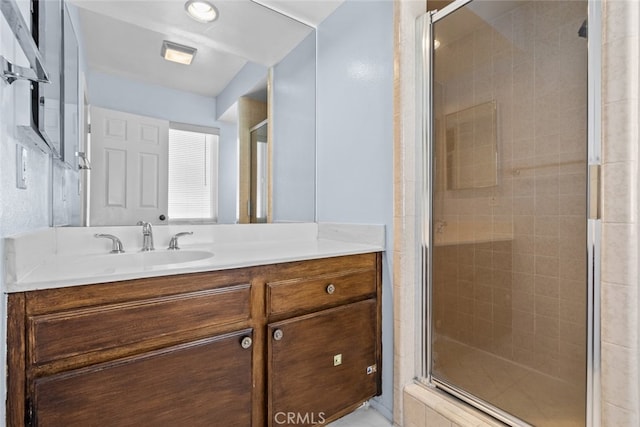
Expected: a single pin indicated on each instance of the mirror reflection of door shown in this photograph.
(259, 173)
(129, 155)
(251, 114)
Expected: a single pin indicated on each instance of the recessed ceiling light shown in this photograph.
(201, 10)
(177, 52)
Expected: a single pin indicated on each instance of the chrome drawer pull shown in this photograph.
(331, 288)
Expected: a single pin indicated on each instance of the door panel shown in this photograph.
(129, 156)
(306, 380)
(204, 383)
(508, 208)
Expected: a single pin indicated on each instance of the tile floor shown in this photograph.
(363, 417)
(535, 397)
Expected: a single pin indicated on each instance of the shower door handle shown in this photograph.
(595, 193)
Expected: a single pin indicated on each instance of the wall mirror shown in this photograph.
(244, 48)
(471, 147)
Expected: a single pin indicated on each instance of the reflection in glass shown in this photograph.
(471, 147)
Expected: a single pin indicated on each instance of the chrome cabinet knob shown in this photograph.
(278, 334)
(246, 342)
(331, 288)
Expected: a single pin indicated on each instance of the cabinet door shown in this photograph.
(202, 383)
(321, 364)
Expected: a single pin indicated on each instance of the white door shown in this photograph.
(129, 164)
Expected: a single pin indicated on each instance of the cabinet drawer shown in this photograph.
(299, 295)
(80, 331)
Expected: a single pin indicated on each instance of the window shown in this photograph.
(193, 173)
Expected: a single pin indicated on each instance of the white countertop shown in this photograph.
(67, 257)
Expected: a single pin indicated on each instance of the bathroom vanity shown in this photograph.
(288, 343)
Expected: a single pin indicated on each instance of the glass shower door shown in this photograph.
(508, 208)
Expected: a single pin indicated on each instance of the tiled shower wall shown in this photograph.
(620, 295)
(522, 299)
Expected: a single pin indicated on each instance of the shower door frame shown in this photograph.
(425, 152)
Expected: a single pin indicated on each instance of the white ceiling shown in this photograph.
(124, 37)
(310, 12)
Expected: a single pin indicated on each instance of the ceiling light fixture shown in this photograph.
(201, 10)
(177, 52)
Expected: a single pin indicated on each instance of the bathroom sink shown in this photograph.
(92, 265)
(172, 257)
(149, 259)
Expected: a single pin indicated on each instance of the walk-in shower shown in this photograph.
(507, 289)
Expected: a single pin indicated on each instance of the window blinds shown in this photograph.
(192, 175)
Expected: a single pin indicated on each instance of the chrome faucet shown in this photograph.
(147, 236)
(116, 244)
(173, 243)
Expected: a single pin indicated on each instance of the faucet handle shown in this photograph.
(146, 227)
(173, 243)
(116, 247)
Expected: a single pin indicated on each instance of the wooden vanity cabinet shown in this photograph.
(199, 349)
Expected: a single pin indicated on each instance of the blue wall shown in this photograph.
(355, 135)
(121, 94)
(228, 173)
(248, 78)
(294, 134)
